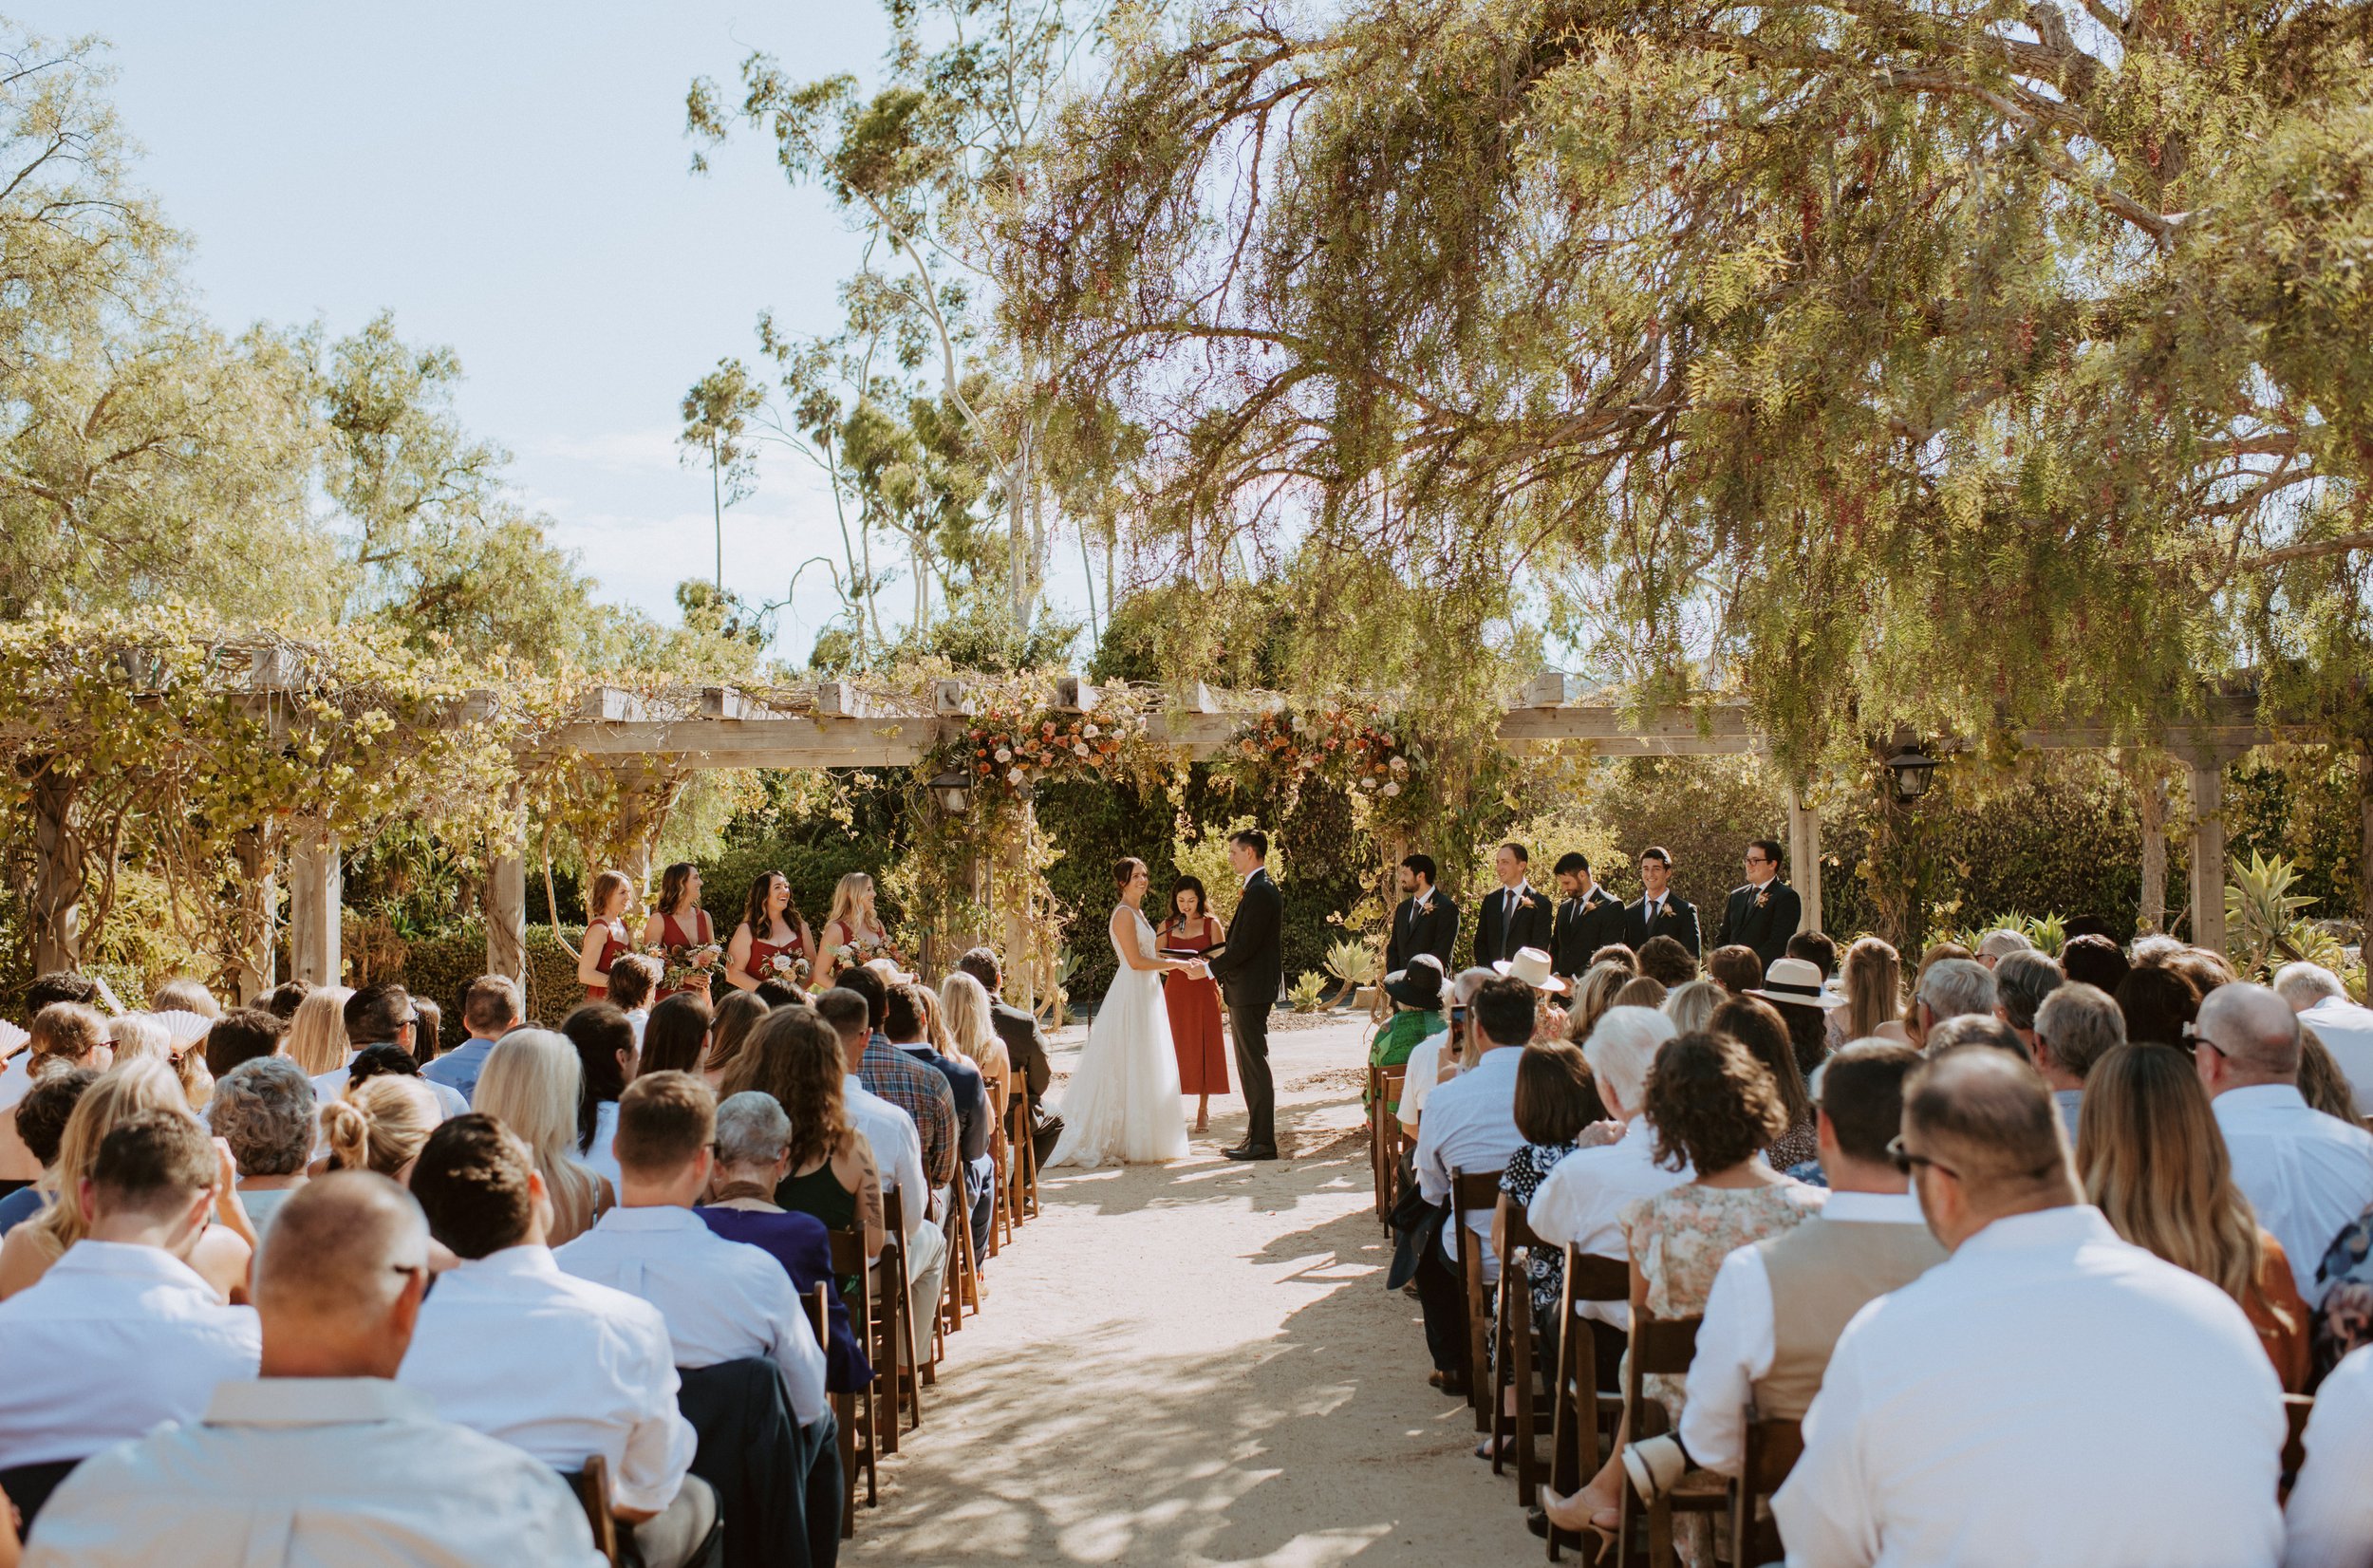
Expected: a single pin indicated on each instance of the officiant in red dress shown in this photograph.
(1194, 1005)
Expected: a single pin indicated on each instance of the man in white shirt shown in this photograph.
(897, 1154)
(2347, 1030)
(322, 1459)
(122, 1334)
(1884, 1246)
(2076, 1025)
(558, 1367)
(1469, 1126)
(2050, 1394)
(723, 1301)
(2329, 1517)
(1581, 1201)
(2307, 1175)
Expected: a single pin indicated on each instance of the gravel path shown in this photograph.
(1199, 1363)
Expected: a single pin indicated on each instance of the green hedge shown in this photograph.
(442, 966)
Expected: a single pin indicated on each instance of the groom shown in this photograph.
(1249, 971)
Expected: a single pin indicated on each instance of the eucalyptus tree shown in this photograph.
(716, 413)
(1949, 361)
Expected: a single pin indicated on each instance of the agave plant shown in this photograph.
(1354, 963)
(1308, 994)
(2263, 925)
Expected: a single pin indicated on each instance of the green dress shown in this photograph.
(1399, 1036)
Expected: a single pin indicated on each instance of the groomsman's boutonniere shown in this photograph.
(1763, 896)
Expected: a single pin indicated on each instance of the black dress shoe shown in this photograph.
(1261, 1153)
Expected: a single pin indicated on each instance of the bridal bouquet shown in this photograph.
(787, 967)
(687, 968)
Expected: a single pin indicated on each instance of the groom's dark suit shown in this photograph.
(1249, 971)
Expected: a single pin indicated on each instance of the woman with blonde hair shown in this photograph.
(730, 1029)
(853, 932)
(317, 1034)
(380, 1125)
(531, 1082)
(2152, 1160)
(1688, 1006)
(137, 1037)
(971, 1028)
(1593, 995)
(222, 1254)
(1871, 975)
(604, 943)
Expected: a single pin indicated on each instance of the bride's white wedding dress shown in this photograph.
(1122, 1104)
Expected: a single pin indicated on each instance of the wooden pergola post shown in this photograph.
(506, 898)
(316, 892)
(2151, 807)
(56, 916)
(259, 917)
(2206, 770)
(1804, 857)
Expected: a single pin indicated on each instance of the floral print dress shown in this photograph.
(1680, 1236)
(1520, 1178)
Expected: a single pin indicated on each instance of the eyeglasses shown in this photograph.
(2192, 1032)
(1904, 1159)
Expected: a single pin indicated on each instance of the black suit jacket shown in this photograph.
(1019, 1031)
(1251, 968)
(1677, 919)
(1765, 927)
(1499, 932)
(1433, 930)
(1583, 925)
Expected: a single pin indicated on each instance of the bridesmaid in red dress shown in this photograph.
(680, 921)
(769, 927)
(1194, 1005)
(605, 933)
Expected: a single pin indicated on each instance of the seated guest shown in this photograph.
(65, 1036)
(428, 1033)
(1735, 968)
(239, 1035)
(2094, 960)
(831, 1176)
(2120, 1413)
(1594, 993)
(633, 977)
(1871, 980)
(2022, 981)
(2152, 1161)
(1816, 949)
(1024, 1045)
(2328, 1520)
(264, 1110)
(1556, 1104)
(532, 1083)
(1755, 1024)
(283, 1000)
(555, 1366)
(1416, 997)
(2321, 1084)
(2307, 1175)
(969, 1022)
(1582, 1201)
(1977, 1029)
(1713, 1109)
(1469, 1125)
(122, 1333)
(2204, 968)
(905, 1020)
(723, 1301)
(729, 1034)
(2160, 1006)
(754, 1152)
(382, 1015)
(911, 1086)
(185, 993)
(221, 1253)
(41, 1117)
(490, 1010)
(1998, 944)
(380, 1126)
(1642, 991)
(1777, 1307)
(607, 1054)
(322, 1453)
(897, 1150)
(1948, 988)
(676, 1035)
(1794, 987)
(316, 1041)
(1619, 954)
(1437, 1058)
(2346, 1029)
(1668, 962)
(2075, 1026)
(1688, 1006)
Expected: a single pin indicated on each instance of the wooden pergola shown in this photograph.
(838, 724)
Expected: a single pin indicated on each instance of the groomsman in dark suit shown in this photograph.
(1513, 915)
(1588, 917)
(1766, 912)
(1426, 921)
(1661, 912)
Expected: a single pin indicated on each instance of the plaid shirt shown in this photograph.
(920, 1091)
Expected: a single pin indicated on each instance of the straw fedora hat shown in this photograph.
(1531, 965)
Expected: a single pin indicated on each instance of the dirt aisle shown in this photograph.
(1200, 1364)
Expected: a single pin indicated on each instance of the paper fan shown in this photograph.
(181, 1025)
(11, 1036)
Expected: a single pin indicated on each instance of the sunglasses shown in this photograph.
(1903, 1160)
(2192, 1032)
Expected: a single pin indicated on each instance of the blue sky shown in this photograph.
(511, 179)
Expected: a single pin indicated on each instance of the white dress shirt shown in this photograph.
(115, 1338)
(1470, 1124)
(562, 1368)
(724, 1300)
(2329, 1518)
(1418, 1074)
(2051, 1396)
(897, 1148)
(602, 1159)
(1582, 1201)
(328, 1086)
(2307, 1175)
(2347, 1031)
(1737, 1339)
(313, 1472)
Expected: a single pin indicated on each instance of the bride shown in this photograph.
(1123, 1101)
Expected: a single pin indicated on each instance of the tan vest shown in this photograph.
(1821, 1274)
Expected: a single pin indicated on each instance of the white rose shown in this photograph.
(1004, 754)
(1013, 775)
(1394, 788)
(1080, 746)
(1091, 731)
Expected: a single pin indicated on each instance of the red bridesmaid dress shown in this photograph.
(671, 935)
(1195, 1029)
(613, 944)
(761, 952)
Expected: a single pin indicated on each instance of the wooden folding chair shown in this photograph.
(1519, 1354)
(591, 1485)
(1384, 1138)
(1472, 1191)
(819, 1309)
(1587, 1371)
(907, 1378)
(1770, 1447)
(1020, 1119)
(1375, 1142)
(963, 1280)
(2297, 1408)
(1661, 1346)
(859, 1412)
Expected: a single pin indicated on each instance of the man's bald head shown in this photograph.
(339, 1286)
(1987, 1117)
(2254, 1030)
